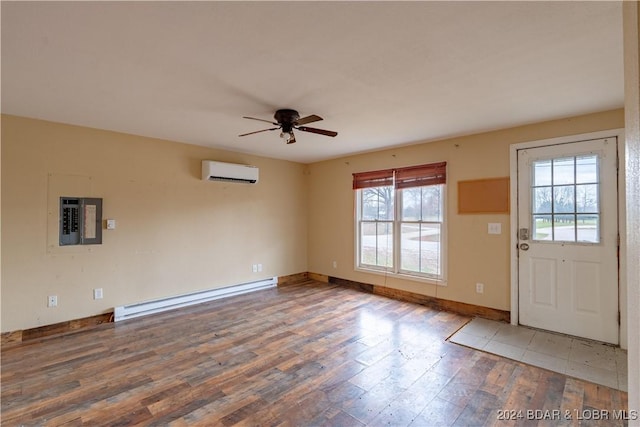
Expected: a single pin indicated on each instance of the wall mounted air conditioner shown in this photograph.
(230, 172)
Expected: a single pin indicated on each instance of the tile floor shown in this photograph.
(579, 358)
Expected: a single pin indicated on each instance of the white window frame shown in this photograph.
(395, 270)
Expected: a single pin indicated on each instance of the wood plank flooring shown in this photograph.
(311, 354)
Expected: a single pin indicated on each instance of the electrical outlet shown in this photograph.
(480, 288)
(97, 293)
(259, 268)
(52, 301)
(335, 264)
(254, 268)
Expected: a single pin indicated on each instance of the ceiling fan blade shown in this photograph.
(319, 131)
(262, 120)
(258, 131)
(309, 119)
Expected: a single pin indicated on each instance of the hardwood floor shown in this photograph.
(307, 354)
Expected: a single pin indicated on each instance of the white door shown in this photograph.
(568, 238)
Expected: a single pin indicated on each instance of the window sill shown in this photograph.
(403, 276)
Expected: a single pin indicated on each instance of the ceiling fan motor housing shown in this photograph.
(286, 118)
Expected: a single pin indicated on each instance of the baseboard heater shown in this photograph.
(156, 306)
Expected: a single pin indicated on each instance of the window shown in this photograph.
(376, 226)
(565, 199)
(421, 230)
(400, 220)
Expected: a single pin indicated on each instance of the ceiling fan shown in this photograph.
(287, 120)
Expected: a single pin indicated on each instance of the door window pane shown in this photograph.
(542, 202)
(588, 228)
(569, 209)
(564, 228)
(587, 198)
(563, 171)
(563, 199)
(542, 228)
(587, 169)
(542, 173)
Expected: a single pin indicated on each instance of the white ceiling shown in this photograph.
(381, 74)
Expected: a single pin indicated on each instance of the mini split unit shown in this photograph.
(229, 172)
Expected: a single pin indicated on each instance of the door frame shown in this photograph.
(513, 217)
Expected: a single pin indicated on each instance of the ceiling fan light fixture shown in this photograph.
(288, 137)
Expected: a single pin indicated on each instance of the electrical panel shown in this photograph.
(80, 221)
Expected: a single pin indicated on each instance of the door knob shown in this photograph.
(524, 246)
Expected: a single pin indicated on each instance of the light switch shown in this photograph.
(495, 228)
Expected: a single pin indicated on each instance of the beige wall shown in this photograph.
(175, 233)
(473, 255)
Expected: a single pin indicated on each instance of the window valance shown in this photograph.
(412, 176)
